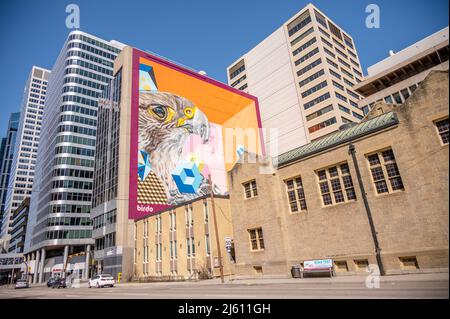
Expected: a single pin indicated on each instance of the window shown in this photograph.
(320, 112)
(397, 98)
(250, 189)
(316, 101)
(311, 78)
(304, 46)
(336, 185)
(296, 194)
(300, 23)
(405, 94)
(314, 89)
(443, 128)
(173, 220)
(322, 125)
(383, 164)
(256, 239)
(388, 99)
(302, 36)
(309, 67)
(307, 56)
(207, 245)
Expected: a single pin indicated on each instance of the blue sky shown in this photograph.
(203, 34)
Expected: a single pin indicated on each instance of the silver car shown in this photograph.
(21, 283)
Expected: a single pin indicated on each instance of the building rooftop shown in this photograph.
(343, 136)
(419, 57)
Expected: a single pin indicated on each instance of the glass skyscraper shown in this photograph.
(59, 229)
(6, 158)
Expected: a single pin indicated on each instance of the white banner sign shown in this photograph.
(318, 264)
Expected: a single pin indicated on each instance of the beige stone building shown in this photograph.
(312, 206)
(180, 243)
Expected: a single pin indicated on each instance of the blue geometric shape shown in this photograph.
(187, 177)
(240, 149)
(144, 165)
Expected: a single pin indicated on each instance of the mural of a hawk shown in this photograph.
(166, 121)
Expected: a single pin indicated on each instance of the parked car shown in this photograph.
(21, 283)
(56, 282)
(102, 280)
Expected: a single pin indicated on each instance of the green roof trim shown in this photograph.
(335, 139)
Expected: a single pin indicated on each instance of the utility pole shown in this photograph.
(216, 230)
(352, 152)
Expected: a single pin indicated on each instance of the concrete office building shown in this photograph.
(395, 78)
(303, 75)
(6, 159)
(59, 232)
(26, 146)
(313, 207)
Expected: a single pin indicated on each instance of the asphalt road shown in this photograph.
(260, 289)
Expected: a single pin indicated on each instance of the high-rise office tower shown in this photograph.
(26, 144)
(59, 224)
(303, 75)
(6, 159)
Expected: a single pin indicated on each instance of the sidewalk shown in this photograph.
(338, 279)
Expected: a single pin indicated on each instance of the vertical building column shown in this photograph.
(41, 266)
(86, 264)
(66, 255)
(36, 266)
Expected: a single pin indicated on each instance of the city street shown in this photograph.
(351, 287)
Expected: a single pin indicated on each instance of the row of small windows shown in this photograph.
(78, 109)
(311, 78)
(91, 49)
(75, 139)
(71, 196)
(80, 90)
(72, 172)
(302, 36)
(105, 219)
(309, 67)
(238, 71)
(304, 46)
(68, 221)
(300, 25)
(63, 234)
(93, 42)
(88, 65)
(243, 87)
(72, 184)
(77, 129)
(307, 56)
(74, 161)
(79, 99)
(87, 74)
(69, 208)
(89, 57)
(322, 125)
(242, 78)
(314, 89)
(109, 240)
(320, 112)
(78, 80)
(316, 100)
(78, 119)
(74, 150)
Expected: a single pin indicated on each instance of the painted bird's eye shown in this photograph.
(158, 111)
(189, 112)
